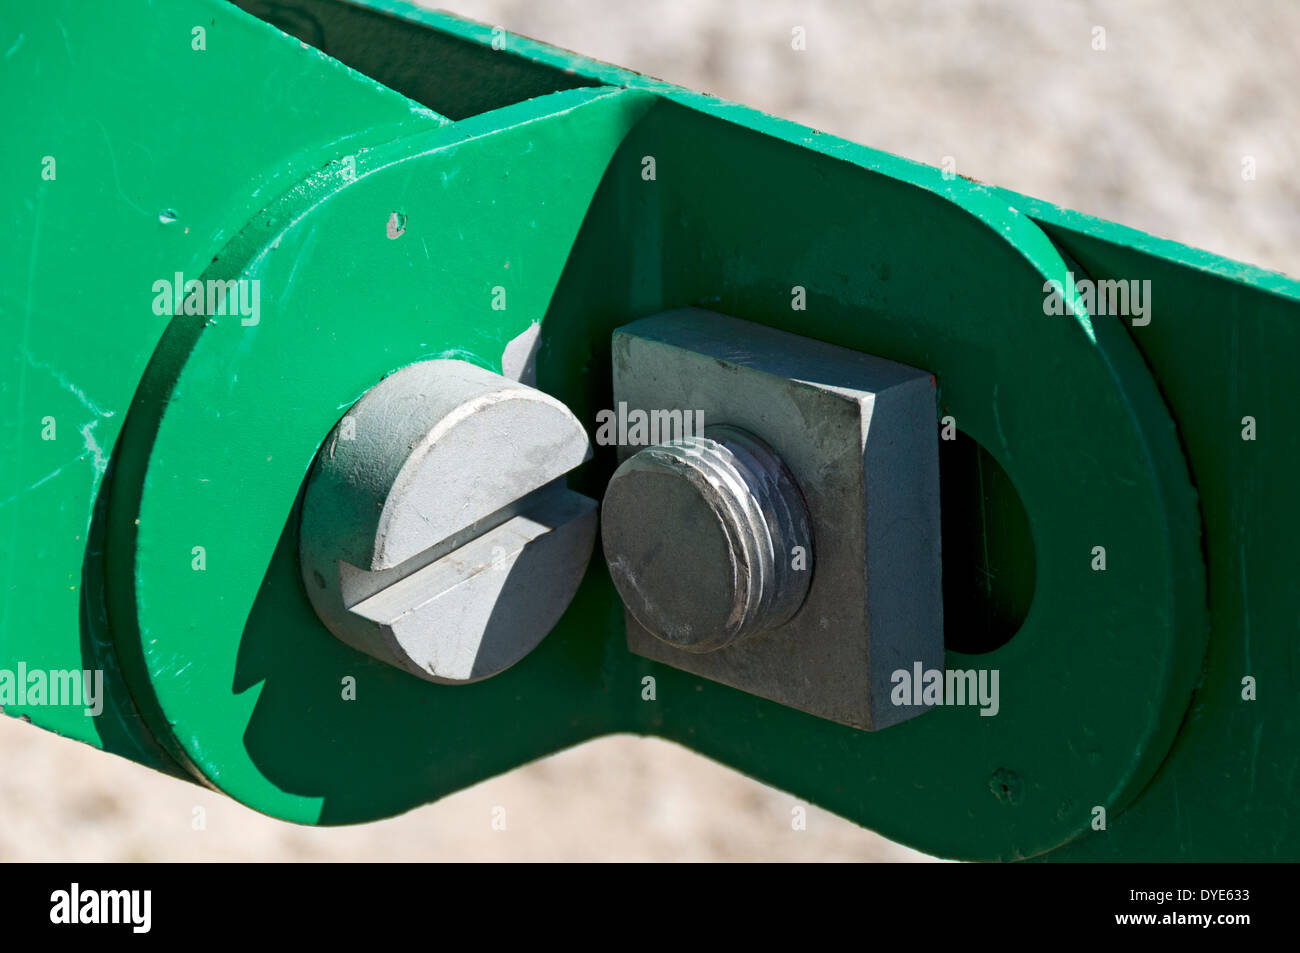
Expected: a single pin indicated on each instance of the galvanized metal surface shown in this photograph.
(437, 534)
(701, 535)
(1122, 689)
(859, 437)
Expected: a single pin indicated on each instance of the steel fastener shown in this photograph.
(688, 529)
(437, 531)
(727, 573)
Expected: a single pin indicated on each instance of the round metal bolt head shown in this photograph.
(437, 532)
(708, 539)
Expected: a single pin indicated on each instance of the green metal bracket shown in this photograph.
(405, 185)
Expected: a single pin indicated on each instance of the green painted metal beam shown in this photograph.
(382, 171)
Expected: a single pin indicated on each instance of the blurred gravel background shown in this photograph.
(1151, 132)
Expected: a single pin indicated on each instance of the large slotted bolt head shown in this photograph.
(724, 572)
(437, 533)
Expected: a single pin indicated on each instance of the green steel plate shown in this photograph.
(247, 690)
(82, 250)
(1121, 688)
